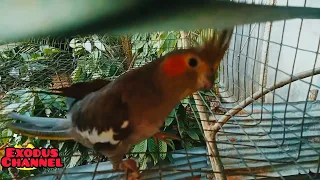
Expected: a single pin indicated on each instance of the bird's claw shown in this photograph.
(164, 136)
(130, 165)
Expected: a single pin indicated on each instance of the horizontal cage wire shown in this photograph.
(259, 121)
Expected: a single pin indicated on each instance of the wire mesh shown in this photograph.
(275, 137)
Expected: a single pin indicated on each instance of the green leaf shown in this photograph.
(139, 44)
(46, 99)
(67, 151)
(169, 155)
(143, 160)
(84, 154)
(168, 44)
(162, 45)
(184, 102)
(153, 149)
(60, 105)
(113, 70)
(145, 49)
(169, 121)
(171, 144)
(187, 145)
(25, 56)
(96, 54)
(199, 132)
(192, 124)
(170, 118)
(5, 134)
(55, 50)
(4, 175)
(76, 73)
(193, 134)
(152, 146)
(157, 44)
(194, 107)
(171, 42)
(180, 127)
(141, 148)
(162, 149)
(153, 38)
(25, 107)
(23, 140)
(18, 92)
(181, 112)
(38, 105)
(25, 97)
(36, 56)
(206, 93)
(24, 69)
(163, 35)
(144, 36)
(135, 37)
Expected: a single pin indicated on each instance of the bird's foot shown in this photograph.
(130, 165)
(164, 136)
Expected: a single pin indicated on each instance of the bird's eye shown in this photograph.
(193, 62)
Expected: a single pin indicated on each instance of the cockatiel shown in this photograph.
(111, 117)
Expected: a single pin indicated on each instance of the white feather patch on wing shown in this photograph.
(94, 137)
(125, 124)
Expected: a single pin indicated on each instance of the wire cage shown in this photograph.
(259, 121)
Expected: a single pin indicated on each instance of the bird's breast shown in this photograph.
(145, 129)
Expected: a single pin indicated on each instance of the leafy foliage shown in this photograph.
(33, 60)
(95, 59)
(84, 59)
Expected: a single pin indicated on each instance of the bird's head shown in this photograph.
(195, 68)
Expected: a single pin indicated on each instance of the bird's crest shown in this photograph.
(214, 49)
(211, 52)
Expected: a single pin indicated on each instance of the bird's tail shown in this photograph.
(41, 127)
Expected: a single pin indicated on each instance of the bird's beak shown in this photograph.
(206, 79)
(206, 84)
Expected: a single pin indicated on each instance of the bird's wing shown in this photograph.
(102, 118)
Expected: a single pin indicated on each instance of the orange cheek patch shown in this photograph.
(174, 65)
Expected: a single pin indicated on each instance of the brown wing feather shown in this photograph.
(107, 112)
